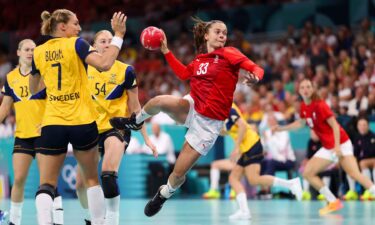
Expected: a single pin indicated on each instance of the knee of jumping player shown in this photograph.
(109, 184)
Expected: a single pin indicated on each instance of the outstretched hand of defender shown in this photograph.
(235, 155)
(118, 23)
(151, 145)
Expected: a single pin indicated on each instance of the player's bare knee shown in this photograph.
(19, 180)
(307, 173)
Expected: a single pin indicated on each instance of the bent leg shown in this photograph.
(177, 108)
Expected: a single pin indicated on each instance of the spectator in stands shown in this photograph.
(358, 103)
(164, 144)
(364, 151)
(280, 155)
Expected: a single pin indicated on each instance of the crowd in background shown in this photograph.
(341, 64)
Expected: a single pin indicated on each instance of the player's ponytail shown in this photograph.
(199, 30)
(50, 21)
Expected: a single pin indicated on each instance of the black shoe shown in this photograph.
(155, 204)
(88, 222)
(123, 123)
(10, 223)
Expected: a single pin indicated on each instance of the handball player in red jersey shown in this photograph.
(337, 146)
(213, 76)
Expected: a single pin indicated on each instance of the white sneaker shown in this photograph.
(240, 215)
(296, 188)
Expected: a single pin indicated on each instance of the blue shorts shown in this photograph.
(25, 146)
(55, 138)
(122, 135)
(254, 155)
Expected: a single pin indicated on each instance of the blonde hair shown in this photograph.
(99, 33)
(21, 43)
(49, 22)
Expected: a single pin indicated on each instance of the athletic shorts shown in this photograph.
(25, 146)
(254, 155)
(122, 135)
(55, 138)
(329, 154)
(202, 131)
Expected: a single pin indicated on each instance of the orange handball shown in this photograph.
(151, 38)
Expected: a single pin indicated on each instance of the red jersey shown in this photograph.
(316, 115)
(213, 78)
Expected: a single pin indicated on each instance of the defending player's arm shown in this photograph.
(104, 62)
(242, 127)
(5, 107)
(292, 126)
(133, 104)
(35, 79)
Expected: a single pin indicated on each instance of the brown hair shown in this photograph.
(199, 30)
(315, 96)
(49, 22)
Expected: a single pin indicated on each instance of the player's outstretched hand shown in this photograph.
(250, 79)
(164, 44)
(118, 23)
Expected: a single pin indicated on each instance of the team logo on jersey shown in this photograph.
(90, 77)
(112, 79)
(216, 60)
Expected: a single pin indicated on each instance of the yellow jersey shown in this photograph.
(109, 91)
(251, 137)
(61, 63)
(29, 108)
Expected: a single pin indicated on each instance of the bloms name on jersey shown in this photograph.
(63, 98)
(54, 55)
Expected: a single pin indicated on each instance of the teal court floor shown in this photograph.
(216, 212)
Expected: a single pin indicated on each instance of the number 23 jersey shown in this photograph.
(29, 108)
(109, 91)
(61, 63)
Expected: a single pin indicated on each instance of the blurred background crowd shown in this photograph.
(330, 42)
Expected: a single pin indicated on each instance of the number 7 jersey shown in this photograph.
(61, 63)
(109, 91)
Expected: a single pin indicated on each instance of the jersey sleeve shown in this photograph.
(183, 72)
(6, 89)
(34, 70)
(83, 48)
(130, 78)
(232, 119)
(324, 111)
(234, 56)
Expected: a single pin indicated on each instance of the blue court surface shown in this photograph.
(215, 212)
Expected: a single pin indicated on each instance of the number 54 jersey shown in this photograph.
(29, 108)
(61, 63)
(109, 91)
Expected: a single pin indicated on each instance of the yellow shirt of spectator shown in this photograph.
(251, 137)
(109, 91)
(61, 63)
(29, 108)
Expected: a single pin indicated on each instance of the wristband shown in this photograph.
(117, 41)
